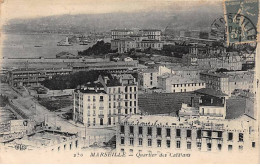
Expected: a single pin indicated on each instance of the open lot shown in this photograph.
(56, 103)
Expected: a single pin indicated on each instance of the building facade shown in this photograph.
(146, 134)
(121, 33)
(22, 77)
(106, 102)
(174, 83)
(152, 34)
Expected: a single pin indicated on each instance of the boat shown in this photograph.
(64, 43)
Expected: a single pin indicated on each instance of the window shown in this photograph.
(168, 143)
(230, 147)
(140, 130)
(149, 142)
(198, 134)
(149, 131)
(94, 121)
(168, 132)
(209, 146)
(159, 143)
(241, 137)
(209, 133)
(140, 141)
(230, 136)
(178, 144)
(178, 132)
(240, 148)
(199, 145)
(219, 134)
(131, 129)
(159, 131)
(122, 140)
(126, 111)
(188, 133)
(101, 98)
(219, 146)
(253, 144)
(109, 121)
(189, 145)
(122, 129)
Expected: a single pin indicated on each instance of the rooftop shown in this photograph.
(211, 92)
(124, 30)
(45, 138)
(237, 107)
(170, 121)
(221, 75)
(150, 30)
(165, 103)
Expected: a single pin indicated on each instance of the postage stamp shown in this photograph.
(241, 20)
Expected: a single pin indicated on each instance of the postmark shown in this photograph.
(238, 34)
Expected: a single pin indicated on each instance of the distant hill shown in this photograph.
(195, 18)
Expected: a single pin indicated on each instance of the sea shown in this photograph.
(36, 45)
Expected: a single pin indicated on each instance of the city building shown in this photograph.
(152, 133)
(153, 44)
(44, 140)
(229, 81)
(121, 33)
(147, 78)
(20, 77)
(123, 45)
(152, 34)
(173, 83)
(213, 61)
(90, 105)
(107, 101)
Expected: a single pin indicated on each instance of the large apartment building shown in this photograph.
(153, 133)
(107, 101)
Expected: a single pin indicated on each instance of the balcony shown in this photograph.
(131, 135)
(100, 115)
(177, 137)
(158, 136)
(188, 138)
(140, 135)
(168, 137)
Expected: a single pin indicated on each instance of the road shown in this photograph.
(34, 110)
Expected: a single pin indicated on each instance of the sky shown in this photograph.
(12, 9)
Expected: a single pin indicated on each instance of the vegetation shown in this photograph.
(100, 48)
(175, 50)
(56, 103)
(71, 81)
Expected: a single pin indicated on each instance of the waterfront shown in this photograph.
(36, 45)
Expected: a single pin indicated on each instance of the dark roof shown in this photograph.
(211, 92)
(150, 30)
(90, 91)
(165, 103)
(237, 107)
(113, 82)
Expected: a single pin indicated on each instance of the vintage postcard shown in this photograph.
(129, 81)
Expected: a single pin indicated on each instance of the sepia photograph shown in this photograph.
(129, 82)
